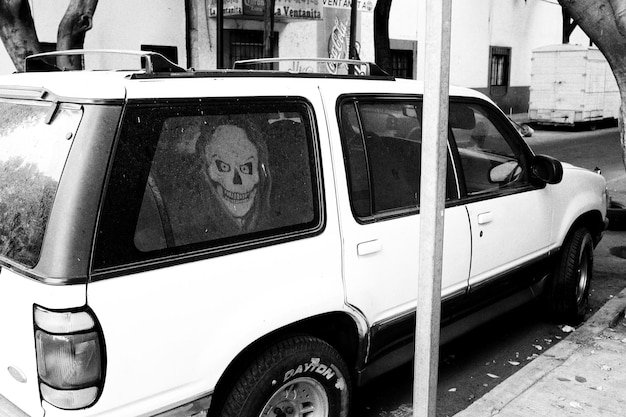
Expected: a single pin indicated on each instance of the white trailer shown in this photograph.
(571, 84)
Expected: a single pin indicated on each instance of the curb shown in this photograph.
(498, 398)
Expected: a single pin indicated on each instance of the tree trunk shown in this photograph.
(568, 25)
(268, 29)
(382, 48)
(604, 21)
(76, 22)
(17, 31)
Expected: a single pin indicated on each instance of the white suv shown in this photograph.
(243, 243)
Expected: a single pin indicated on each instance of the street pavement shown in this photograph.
(584, 374)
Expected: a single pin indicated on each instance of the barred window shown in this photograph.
(499, 69)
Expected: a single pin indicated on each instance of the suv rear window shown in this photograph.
(35, 140)
(216, 175)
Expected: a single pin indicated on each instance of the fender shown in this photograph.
(569, 207)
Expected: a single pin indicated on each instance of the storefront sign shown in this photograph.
(337, 35)
(283, 10)
(361, 5)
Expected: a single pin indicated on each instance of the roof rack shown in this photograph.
(322, 65)
(150, 62)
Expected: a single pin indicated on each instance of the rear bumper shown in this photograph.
(197, 408)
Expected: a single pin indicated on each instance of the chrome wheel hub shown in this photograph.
(301, 397)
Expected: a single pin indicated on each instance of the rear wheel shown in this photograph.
(298, 377)
(572, 278)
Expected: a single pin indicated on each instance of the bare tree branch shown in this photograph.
(76, 22)
(17, 30)
(619, 11)
(569, 25)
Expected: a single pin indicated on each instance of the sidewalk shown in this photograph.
(583, 375)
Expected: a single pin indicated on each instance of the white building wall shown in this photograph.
(293, 44)
(403, 19)
(132, 23)
(522, 25)
(117, 24)
(479, 24)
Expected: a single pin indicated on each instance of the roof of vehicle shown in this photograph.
(115, 85)
(159, 78)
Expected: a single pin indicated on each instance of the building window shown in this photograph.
(169, 52)
(246, 44)
(499, 69)
(402, 63)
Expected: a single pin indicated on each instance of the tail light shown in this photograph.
(70, 357)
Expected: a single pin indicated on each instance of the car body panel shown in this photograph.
(220, 292)
(569, 206)
(175, 326)
(508, 231)
(157, 305)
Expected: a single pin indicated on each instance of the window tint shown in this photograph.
(490, 158)
(34, 141)
(208, 176)
(382, 148)
(394, 158)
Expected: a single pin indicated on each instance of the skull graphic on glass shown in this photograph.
(235, 170)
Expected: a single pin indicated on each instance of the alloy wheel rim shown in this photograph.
(301, 397)
(583, 277)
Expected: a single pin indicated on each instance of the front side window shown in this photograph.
(35, 140)
(492, 160)
(208, 176)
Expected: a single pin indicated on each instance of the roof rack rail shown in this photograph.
(324, 65)
(150, 62)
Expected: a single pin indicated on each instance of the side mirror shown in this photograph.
(409, 111)
(546, 169)
(505, 173)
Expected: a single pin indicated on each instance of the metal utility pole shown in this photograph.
(352, 46)
(268, 29)
(432, 205)
(220, 34)
(191, 32)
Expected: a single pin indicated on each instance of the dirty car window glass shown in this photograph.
(383, 154)
(208, 176)
(31, 162)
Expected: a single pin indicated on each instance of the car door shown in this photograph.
(381, 140)
(509, 217)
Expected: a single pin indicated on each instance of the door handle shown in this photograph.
(369, 247)
(484, 218)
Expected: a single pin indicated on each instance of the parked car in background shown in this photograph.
(244, 242)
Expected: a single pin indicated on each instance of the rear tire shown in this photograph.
(572, 277)
(300, 376)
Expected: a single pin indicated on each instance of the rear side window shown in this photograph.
(382, 143)
(35, 140)
(211, 176)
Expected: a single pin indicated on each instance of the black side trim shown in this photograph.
(392, 341)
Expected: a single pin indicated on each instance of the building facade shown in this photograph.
(491, 43)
